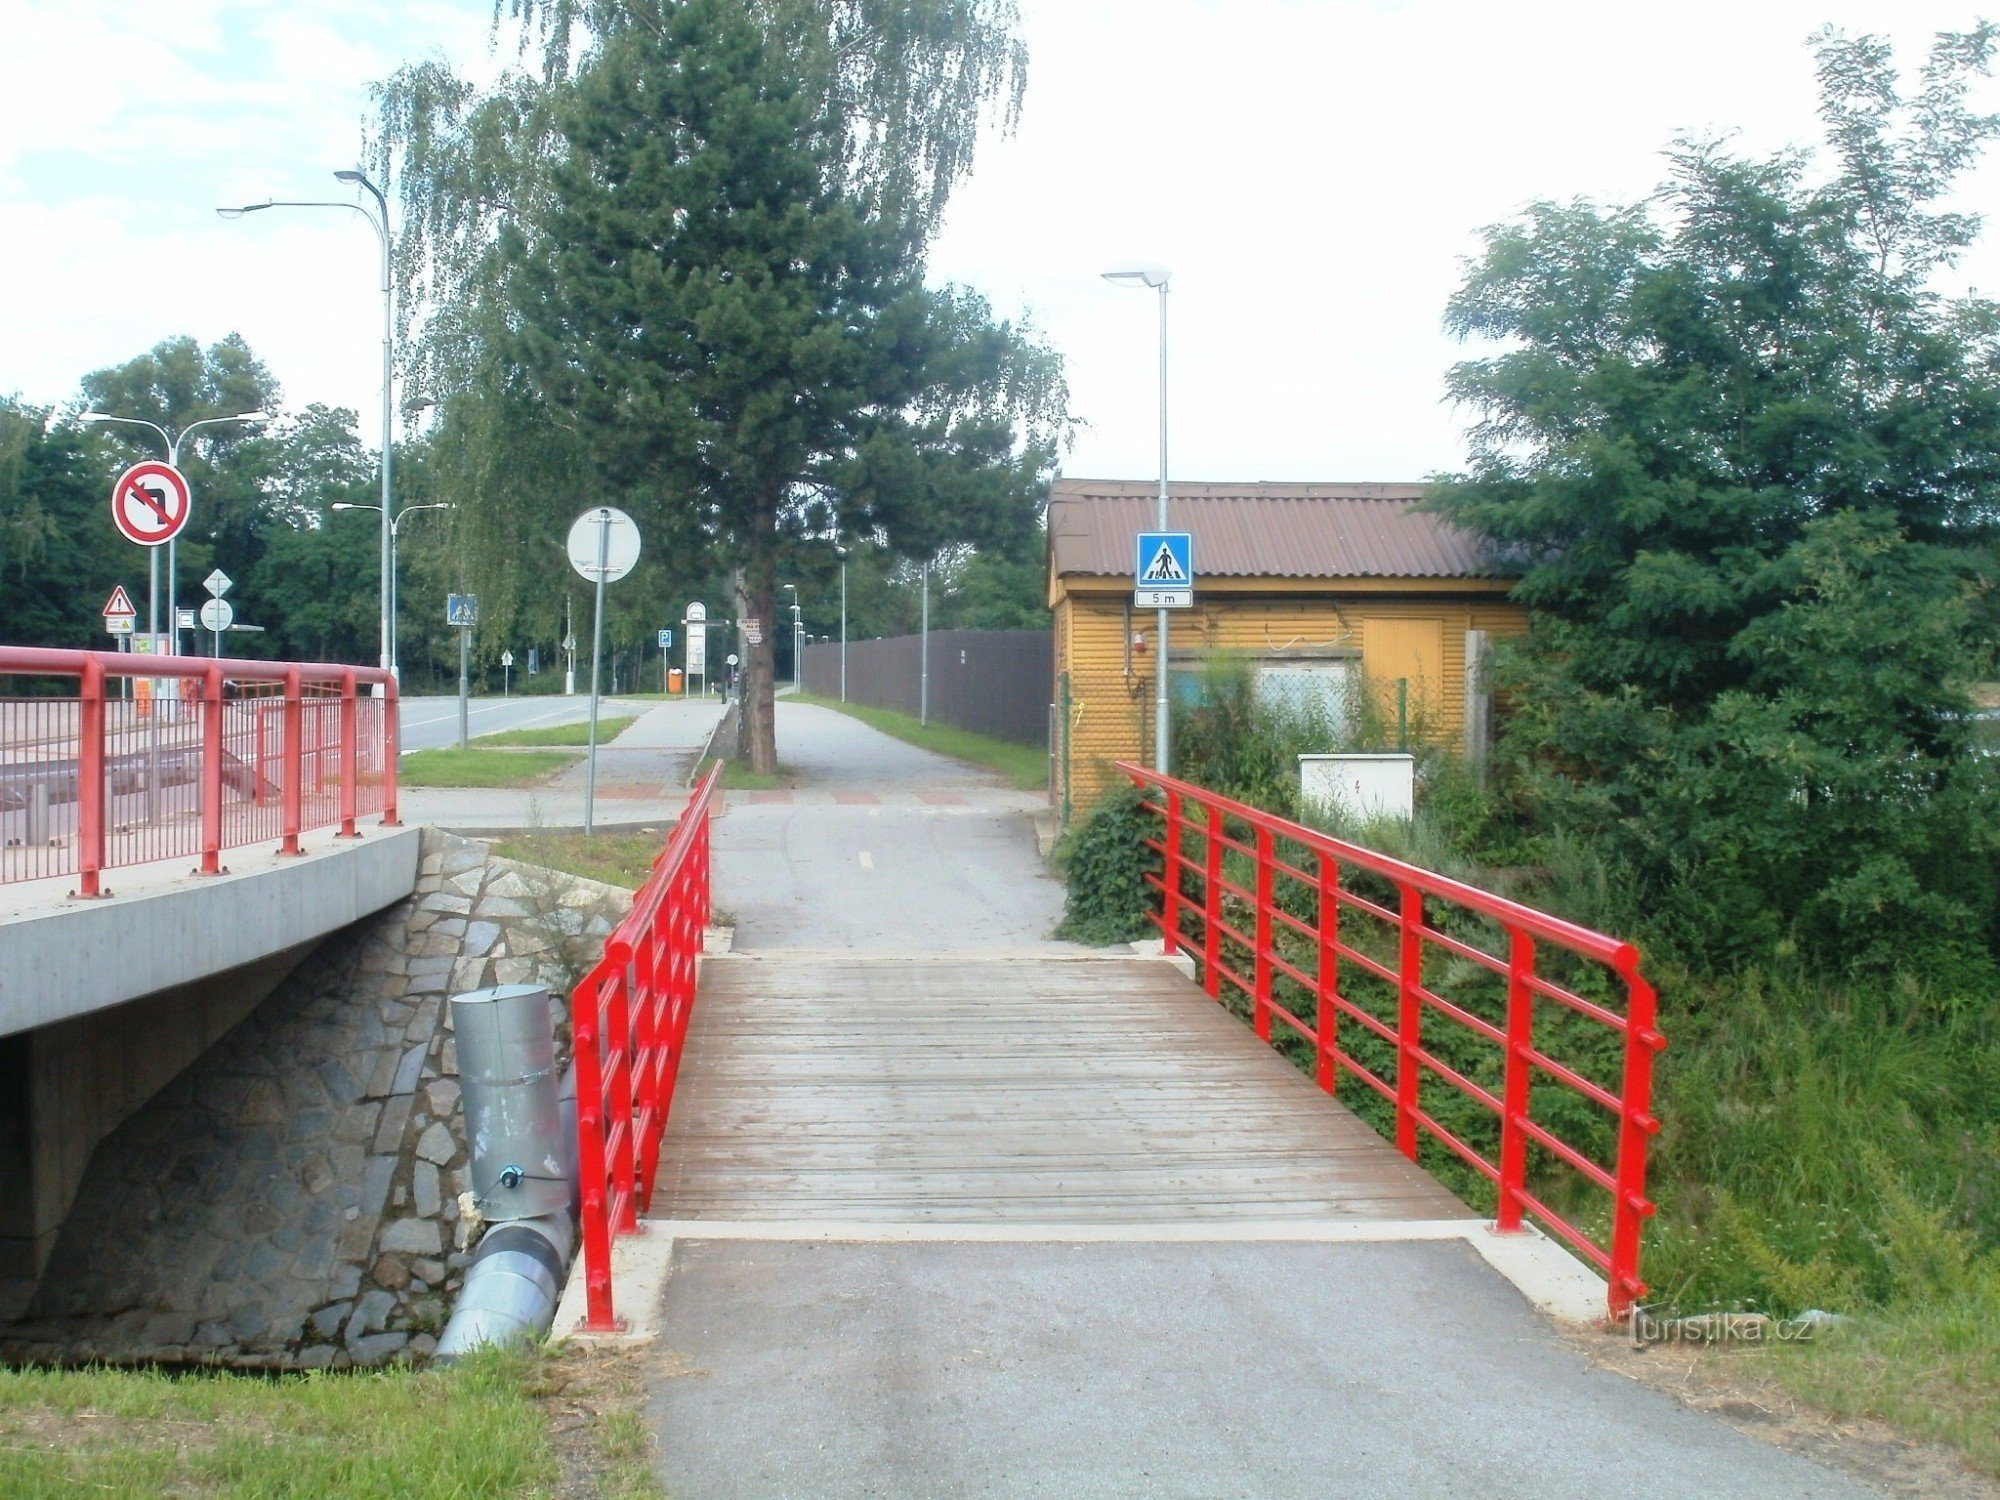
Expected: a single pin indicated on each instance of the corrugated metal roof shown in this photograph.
(1264, 530)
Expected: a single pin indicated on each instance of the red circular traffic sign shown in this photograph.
(150, 503)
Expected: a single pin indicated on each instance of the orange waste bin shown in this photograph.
(674, 679)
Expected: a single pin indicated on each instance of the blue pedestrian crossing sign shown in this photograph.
(1163, 576)
(461, 611)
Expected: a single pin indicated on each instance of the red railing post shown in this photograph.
(1261, 1003)
(1409, 1019)
(1170, 879)
(585, 1017)
(1516, 1096)
(1327, 1026)
(1636, 1128)
(211, 770)
(295, 762)
(1211, 899)
(90, 807)
(392, 749)
(350, 754)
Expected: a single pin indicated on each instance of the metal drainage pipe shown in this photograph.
(520, 1124)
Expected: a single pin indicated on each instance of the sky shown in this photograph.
(1313, 173)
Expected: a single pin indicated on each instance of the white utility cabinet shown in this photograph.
(1361, 786)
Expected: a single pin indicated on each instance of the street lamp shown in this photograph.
(1155, 278)
(379, 222)
(796, 628)
(395, 530)
(841, 552)
(173, 440)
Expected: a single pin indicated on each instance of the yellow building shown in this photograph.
(1329, 591)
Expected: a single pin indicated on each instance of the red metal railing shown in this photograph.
(630, 1019)
(205, 754)
(1349, 951)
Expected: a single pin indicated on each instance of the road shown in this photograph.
(432, 723)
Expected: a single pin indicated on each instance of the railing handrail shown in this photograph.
(1616, 953)
(629, 1019)
(94, 779)
(1416, 1058)
(52, 661)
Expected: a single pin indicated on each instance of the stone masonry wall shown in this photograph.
(292, 1200)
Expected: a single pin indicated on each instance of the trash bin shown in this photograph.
(674, 679)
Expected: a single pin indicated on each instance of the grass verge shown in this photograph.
(473, 1430)
(737, 774)
(1023, 765)
(623, 859)
(562, 734)
(475, 767)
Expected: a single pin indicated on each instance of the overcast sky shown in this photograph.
(1313, 173)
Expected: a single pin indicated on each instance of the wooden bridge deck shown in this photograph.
(968, 1089)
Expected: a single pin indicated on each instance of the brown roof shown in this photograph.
(1264, 530)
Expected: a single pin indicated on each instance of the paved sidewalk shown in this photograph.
(641, 778)
(882, 845)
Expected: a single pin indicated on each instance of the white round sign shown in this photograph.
(604, 544)
(217, 615)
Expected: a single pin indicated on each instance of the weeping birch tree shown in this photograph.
(674, 259)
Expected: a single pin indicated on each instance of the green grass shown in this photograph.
(738, 775)
(561, 734)
(1023, 765)
(1931, 1368)
(472, 1430)
(624, 859)
(475, 767)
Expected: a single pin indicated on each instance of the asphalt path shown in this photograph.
(432, 723)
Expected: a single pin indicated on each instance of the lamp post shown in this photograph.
(842, 552)
(924, 653)
(796, 628)
(173, 440)
(379, 222)
(1155, 278)
(395, 530)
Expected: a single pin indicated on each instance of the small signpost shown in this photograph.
(696, 665)
(119, 615)
(603, 547)
(506, 674)
(217, 615)
(150, 503)
(1163, 576)
(461, 613)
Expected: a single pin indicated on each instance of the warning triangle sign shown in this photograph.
(1165, 568)
(119, 604)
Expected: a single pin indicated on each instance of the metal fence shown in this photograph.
(629, 1017)
(203, 755)
(993, 682)
(1514, 1041)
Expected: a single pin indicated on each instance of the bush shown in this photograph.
(1106, 862)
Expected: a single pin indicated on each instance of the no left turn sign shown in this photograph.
(149, 503)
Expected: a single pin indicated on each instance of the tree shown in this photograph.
(57, 565)
(1748, 456)
(703, 297)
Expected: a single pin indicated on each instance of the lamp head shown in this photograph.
(349, 175)
(247, 208)
(95, 416)
(1146, 276)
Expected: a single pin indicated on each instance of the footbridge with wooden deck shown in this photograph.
(962, 1216)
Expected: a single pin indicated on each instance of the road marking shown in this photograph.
(867, 860)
